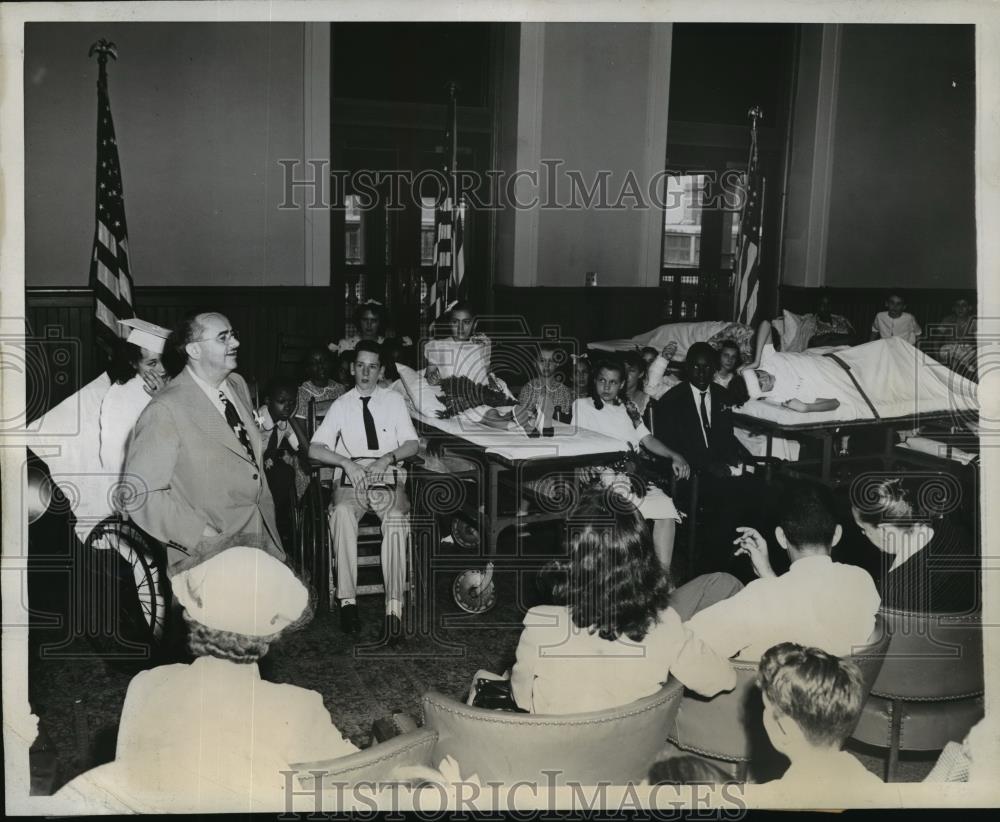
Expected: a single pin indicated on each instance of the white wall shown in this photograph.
(203, 112)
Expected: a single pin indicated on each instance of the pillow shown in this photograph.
(422, 395)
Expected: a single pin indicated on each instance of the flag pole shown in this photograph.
(753, 114)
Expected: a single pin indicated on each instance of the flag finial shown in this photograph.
(103, 48)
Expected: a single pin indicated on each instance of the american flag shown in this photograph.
(110, 277)
(747, 283)
(449, 218)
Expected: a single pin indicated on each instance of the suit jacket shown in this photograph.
(191, 470)
(678, 425)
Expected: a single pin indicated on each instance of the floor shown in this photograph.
(78, 696)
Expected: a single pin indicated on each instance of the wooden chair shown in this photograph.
(615, 746)
(729, 726)
(930, 690)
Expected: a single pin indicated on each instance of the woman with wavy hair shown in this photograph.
(612, 637)
(930, 564)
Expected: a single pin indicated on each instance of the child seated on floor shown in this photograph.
(896, 321)
(812, 701)
(285, 444)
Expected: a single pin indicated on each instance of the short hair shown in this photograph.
(370, 346)
(648, 350)
(687, 770)
(821, 693)
(806, 514)
(375, 308)
(461, 305)
(611, 364)
(549, 346)
(701, 349)
(612, 581)
(633, 359)
(730, 344)
(895, 292)
(887, 500)
(186, 331)
(278, 384)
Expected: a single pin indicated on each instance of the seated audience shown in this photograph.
(365, 435)
(369, 320)
(613, 637)
(285, 445)
(959, 351)
(137, 373)
(812, 702)
(605, 413)
(817, 602)
(930, 564)
(658, 381)
(635, 398)
(544, 398)
(213, 734)
(728, 377)
(581, 375)
(830, 328)
(318, 385)
(465, 353)
(896, 321)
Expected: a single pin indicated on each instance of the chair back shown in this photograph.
(375, 764)
(930, 690)
(618, 745)
(729, 726)
(932, 657)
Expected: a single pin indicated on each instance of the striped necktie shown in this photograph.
(239, 429)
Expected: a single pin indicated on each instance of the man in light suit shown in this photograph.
(196, 457)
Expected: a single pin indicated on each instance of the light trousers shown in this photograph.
(393, 509)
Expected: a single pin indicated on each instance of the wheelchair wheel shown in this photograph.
(135, 559)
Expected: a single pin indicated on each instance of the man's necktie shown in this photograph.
(272, 442)
(370, 431)
(705, 424)
(239, 429)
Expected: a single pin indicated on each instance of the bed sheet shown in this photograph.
(900, 380)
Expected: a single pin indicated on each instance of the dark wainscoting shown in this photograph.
(60, 328)
(860, 305)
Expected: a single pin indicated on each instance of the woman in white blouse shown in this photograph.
(613, 637)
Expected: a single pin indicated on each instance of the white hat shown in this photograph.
(242, 590)
(146, 335)
(752, 383)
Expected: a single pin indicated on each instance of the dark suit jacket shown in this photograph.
(678, 425)
(191, 470)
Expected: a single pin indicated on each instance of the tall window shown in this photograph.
(682, 221)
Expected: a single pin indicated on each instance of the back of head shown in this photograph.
(806, 515)
(823, 694)
(611, 581)
(887, 501)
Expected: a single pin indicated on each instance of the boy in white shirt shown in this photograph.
(896, 321)
(812, 701)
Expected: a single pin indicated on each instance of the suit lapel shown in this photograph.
(247, 414)
(207, 417)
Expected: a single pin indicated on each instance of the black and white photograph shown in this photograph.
(499, 407)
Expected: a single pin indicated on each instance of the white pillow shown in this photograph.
(423, 396)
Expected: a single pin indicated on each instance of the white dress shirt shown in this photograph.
(213, 393)
(343, 427)
(817, 603)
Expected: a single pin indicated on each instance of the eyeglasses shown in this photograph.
(223, 337)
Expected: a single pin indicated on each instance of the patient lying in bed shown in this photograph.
(791, 382)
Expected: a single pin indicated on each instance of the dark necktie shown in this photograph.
(370, 431)
(233, 418)
(272, 442)
(705, 424)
